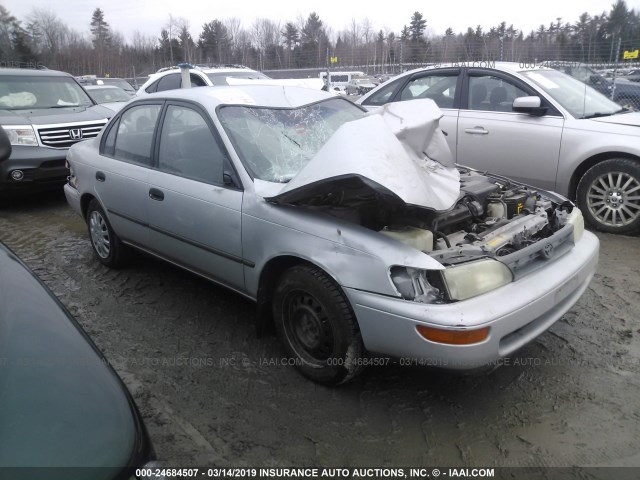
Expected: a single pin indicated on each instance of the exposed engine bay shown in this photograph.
(496, 215)
(492, 217)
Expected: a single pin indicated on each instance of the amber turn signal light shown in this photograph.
(453, 337)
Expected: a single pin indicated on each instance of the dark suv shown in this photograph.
(44, 112)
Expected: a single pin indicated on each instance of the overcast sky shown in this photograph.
(149, 16)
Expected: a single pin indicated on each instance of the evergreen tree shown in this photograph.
(100, 30)
(417, 26)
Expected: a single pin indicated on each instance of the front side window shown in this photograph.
(197, 80)
(134, 137)
(493, 94)
(188, 148)
(35, 92)
(384, 94)
(275, 143)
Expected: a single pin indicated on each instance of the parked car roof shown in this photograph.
(264, 95)
(33, 72)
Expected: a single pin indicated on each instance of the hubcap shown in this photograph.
(307, 327)
(614, 199)
(99, 234)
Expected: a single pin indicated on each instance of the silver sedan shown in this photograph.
(354, 233)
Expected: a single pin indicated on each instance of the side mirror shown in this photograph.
(227, 180)
(530, 105)
(5, 145)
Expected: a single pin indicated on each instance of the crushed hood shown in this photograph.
(397, 152)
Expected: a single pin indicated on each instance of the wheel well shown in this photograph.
(590, 162)
(85, 200)
(269, 276)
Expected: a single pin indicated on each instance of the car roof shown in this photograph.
(205, 70)
(32, 72)
(250, 95)
(96, 87)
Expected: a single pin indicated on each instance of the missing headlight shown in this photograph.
(412, 284)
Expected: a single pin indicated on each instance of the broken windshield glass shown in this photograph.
(275, 143)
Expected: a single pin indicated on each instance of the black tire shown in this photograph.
(106, 246)
(317, 326)
(609, 196)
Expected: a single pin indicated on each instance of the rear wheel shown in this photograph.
(317, 327)
(609, 196)
(107, 247)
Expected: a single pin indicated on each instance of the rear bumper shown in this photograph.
(516, 314)
(73, 198)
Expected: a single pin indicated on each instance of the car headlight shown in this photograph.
(21, 135)
(577, 220)
(475, 278)
(412, 284)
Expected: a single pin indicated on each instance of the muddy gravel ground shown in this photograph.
(212, 393)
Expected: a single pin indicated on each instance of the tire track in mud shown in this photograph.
(231, 403)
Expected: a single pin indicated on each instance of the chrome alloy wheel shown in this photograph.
(614, 199)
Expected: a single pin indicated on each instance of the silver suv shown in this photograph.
(44, 112)
(171, 78)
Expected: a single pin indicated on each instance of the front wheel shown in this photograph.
(317, 327)
(107, 247)
(609, 196)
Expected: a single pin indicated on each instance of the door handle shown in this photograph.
(477, 131)
(155, 194)
(100, 176)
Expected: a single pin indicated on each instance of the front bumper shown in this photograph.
(43, 168)
(516, 313)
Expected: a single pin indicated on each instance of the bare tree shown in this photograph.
(52, 31)
(184, 38)
(354, 39)
(234, 27)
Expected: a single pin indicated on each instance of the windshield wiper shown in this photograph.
(601, 114)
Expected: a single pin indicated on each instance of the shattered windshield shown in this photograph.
(275, 143)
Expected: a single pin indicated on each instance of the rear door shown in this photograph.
(492, 137)
(194, 199)
(125, 162)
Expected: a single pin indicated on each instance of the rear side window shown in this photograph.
(169, 82)
(134, 135)
(437, 87)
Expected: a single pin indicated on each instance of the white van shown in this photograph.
(340, 79)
